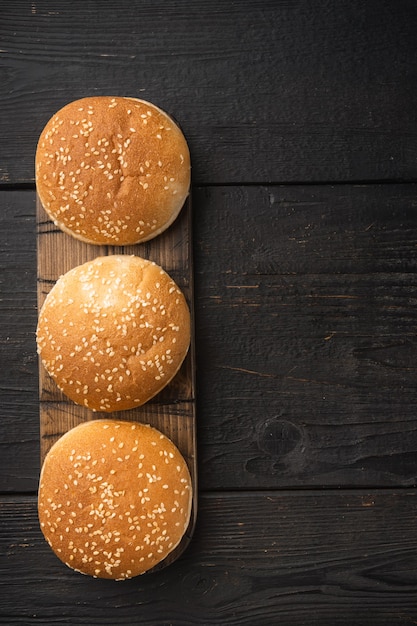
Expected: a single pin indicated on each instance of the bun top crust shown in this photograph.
(112, 170)
(113, 332)
(114, 498)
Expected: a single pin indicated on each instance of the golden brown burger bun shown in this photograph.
(114, 498)
(112, 170)
(113, 332)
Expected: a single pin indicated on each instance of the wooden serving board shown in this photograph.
(172, 411)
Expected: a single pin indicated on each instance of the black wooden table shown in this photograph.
(302, 123)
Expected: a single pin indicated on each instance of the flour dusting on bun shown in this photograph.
(113, 332)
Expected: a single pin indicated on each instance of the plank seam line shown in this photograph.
(30, 186)
(294, 492)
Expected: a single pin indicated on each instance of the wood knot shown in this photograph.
(277, 437)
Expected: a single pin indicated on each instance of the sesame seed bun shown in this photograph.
(114, 498)
(112, 170)
(113, 332)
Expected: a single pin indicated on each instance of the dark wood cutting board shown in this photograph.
(173, 410)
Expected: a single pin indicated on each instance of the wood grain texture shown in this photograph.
(325, 559)
(19, 432)
(172, 411)
(306, 321)
(266, 90)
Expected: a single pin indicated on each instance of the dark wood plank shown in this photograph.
(306, 322)
(19, 431)
(266, 91)
(305, 337)
(331, 559)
